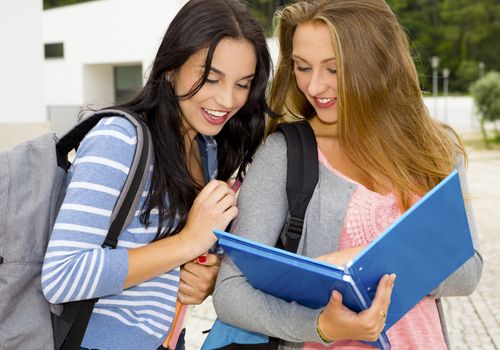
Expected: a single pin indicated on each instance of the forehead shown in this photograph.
(313, 40)
(232, 57)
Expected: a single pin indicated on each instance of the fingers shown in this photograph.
(335, 305)
(228, 216)
(197, 280)
(227, 201)
(186, 297)
(231, 182)
(193, 289)
(383, 295)
(220, 197)
(375, 317)
(214, 191)
(336, 297)
(213, 208)
(209, 260)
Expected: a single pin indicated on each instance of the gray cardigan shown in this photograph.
(263, 210)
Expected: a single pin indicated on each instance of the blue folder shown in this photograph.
(423, 247)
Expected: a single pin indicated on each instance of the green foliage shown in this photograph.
(460, 32)
(48, 4)
(264, 10)
(486, 93)
(467, 73)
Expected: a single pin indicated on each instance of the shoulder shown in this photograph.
(113, 138)
(270, 157)
(274, 146)
(277, 140)
(118, 124)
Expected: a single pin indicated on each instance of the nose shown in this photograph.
(317, 84)
(225, 98)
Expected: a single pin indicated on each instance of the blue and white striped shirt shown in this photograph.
(76, 267)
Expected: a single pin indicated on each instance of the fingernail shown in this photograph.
(202, 259)
(393, 278)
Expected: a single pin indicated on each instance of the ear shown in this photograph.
(168, 76)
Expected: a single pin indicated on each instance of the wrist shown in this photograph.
(324, 338)
(191, 246)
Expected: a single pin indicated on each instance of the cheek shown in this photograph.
(334, 82)
(183, 83)
(302, 83)
(242, 97)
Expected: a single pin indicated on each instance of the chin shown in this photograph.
(212, 131)
(328, 121)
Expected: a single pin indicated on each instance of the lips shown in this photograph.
(215, 117)
(325, 102)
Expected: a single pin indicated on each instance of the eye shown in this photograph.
(332, 70)
(303, 69)
(212, 81)
(244, 86)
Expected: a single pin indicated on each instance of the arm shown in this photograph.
(76, 267)
(263, 209)
(463, 281)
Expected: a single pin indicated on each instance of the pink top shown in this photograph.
(370, 213)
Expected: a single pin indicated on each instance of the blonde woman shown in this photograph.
(345, 67)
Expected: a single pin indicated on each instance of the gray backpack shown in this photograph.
(32, 187)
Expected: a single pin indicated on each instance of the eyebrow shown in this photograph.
(222, 74)
(326, 60)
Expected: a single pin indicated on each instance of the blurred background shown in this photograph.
(61, 56)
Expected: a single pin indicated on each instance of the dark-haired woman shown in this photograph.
(204, 105)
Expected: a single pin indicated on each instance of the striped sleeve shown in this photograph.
(76, 267)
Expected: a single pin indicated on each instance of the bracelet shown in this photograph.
(323, 337)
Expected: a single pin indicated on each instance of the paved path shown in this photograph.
(473, 322)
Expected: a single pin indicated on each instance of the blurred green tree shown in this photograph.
(48, 4)
(486, 93)
(462, 33)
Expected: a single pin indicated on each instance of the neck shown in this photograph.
(322, 129)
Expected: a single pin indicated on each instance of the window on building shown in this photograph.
(128, 81)
(54, 50)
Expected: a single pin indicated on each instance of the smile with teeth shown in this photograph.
(216, 114)
(324, 99)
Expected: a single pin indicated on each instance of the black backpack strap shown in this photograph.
(302, 177)
(70, 327)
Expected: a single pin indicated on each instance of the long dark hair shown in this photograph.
(200, 24)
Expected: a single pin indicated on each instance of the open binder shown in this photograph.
(423, 247)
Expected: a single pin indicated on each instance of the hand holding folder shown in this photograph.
(338, 322)
(423, 247)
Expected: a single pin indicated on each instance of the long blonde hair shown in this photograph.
(384, 126)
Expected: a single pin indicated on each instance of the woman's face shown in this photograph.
(316, 70)
(225, 91)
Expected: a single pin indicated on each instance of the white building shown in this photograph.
(106, 46)
(22, 106)
(60, 60)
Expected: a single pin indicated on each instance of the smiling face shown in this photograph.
(225, 91)
(316, 70)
